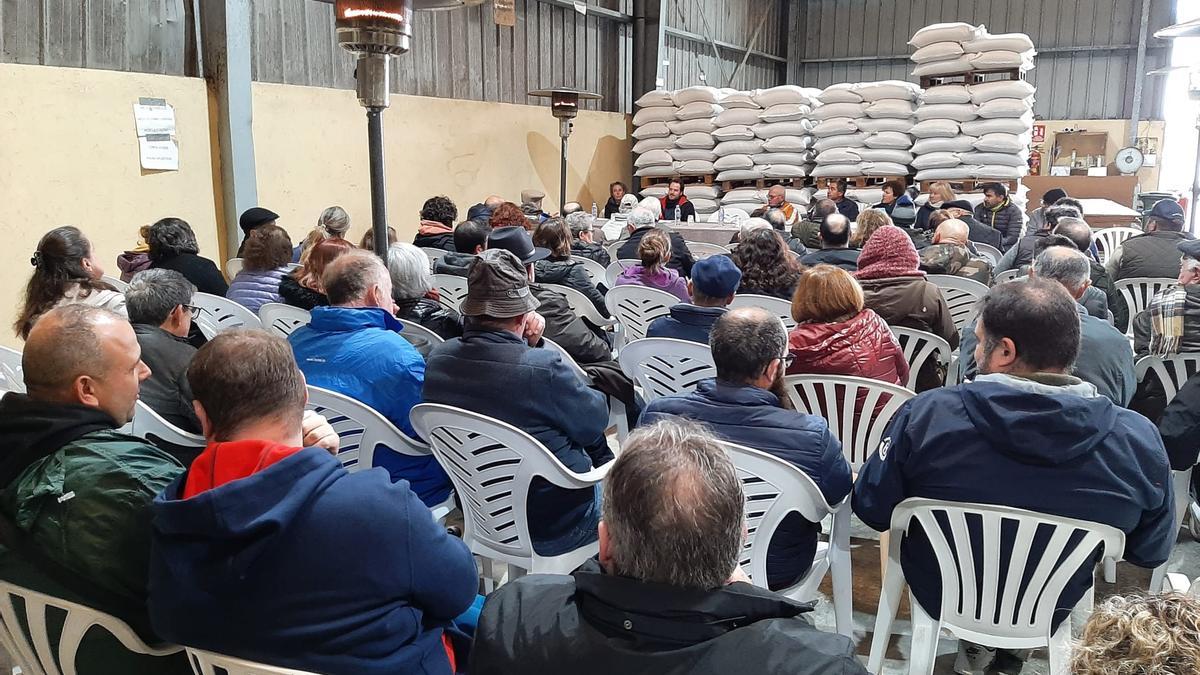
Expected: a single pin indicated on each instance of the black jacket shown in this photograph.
(681, 257)
(595, 623)
(610, 207)
(982, 234)
(848, 208)
(570, 273)
(202, 272)
(300, 296)
(1180, 426)
(845, 258)
(442, 240)
(1116, 303)
(687, 210)
(432, 315)
(167, 390)
(591, 251)
(568, 330)
(1006, 218)
(454, 263)
(1153, 254)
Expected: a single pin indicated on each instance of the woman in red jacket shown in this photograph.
(835, 335)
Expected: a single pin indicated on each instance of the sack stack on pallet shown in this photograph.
(968, 128)
(863, 129)
(652, 135)
(785, 130)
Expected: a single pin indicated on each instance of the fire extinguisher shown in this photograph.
(1035, 163)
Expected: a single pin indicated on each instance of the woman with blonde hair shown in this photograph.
(333, 223)
(939, 193)
(655, 252)
(836, 335)
(303, 288)
(869, 221)
(1141, 635)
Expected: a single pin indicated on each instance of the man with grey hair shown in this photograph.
(777, 219)
(583, 242)
(667, 594)
(1171, 324)
(1080, 234)
(1105, 359)
(354, 347)
(743, 404)
(641, 220)
(159, 303)
(408, 267)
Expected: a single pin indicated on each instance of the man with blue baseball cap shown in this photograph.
(714, 282)
(1155, 253)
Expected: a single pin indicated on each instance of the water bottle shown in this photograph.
(595, 210)
(678, 213)
(721, 215)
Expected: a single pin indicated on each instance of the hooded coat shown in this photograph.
(1047, 443)
(432, 234)
(570, 273)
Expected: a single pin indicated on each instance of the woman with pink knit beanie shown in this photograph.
(897, 290)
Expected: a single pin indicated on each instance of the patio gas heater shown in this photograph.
(564, 105)
(375, 31)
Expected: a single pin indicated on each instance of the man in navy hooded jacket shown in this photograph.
(713, 284)
(273, 552)
(354, 347)
(749, 348)
(1023, 434)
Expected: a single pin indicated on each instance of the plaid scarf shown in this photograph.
(1166, 321)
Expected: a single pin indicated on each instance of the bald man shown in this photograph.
(949, 254)
(777, 199)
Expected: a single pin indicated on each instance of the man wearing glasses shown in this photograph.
(159, 306)
(744, 405)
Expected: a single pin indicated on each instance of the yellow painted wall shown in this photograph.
(310, 146)
(69, 156)
(1118, 137)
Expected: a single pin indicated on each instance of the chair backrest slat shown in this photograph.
(961, 295)
(360, 429)
(857, 409)
(218, 315)
(918, 347)
(452, 290)
(666, 366)
(635, 307)
(1109, 239)
(1171, 371)
(281, 319)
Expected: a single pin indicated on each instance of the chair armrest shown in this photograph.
(565, 478)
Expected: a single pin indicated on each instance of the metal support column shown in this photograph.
(378, 183)
(1139, 73)
(225, 34)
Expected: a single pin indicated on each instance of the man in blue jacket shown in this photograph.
(1024, 434)
(498, 368)
(273, 552)
(742, 405)
(354, 347)
(714, 282)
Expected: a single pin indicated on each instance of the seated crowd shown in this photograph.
(262, 545)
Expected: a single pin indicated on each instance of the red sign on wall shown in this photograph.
(1039, 133)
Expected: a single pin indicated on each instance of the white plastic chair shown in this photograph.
(1006, 276)
(1109, 239)
(434, 254)
(614, 247)
(115, 283)
(12, 376)
(452, 290)
(219, 314)
(614, 270)
(595, 270)
(617, 416)
(961, 295)
(666, 366)
(419, 335)
(232, 267)
(211, 663)
(282, 320)
(1026, 617)
(1172, 371)
(32, 650)
(990, 252)
(733, 216)
(919, 346)
(581, 305)
(1138, 292)
(152, 427)
(634, 308)
(835, 397)
(777, 306)
(773, 489)
(701, 250)
(493, 465)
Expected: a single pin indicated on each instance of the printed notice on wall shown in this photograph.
(157, 144)
(159, 152)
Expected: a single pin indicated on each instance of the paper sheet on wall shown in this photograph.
(159, 152)
(154, 116)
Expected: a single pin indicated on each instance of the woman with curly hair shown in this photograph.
(868, 222)
(509, 214)
(265, 261)
(1141, 635)
(768, 267)
(655, 252)
(173, 247)
(437, 224)
(303, 288)
(65, 271)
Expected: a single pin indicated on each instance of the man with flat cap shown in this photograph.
(714, 282)
(252, 219)
(1154, 253)
(498, 368)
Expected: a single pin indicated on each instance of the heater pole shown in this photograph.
(378, 184)
(562, 176)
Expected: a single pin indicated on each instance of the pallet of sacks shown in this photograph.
(862, 130)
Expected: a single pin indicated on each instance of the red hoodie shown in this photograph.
(222, 463)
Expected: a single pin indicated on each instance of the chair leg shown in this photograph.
(1110, 570)
(841, 570)
(1060, 649)
(889, 604)
(885, 538)
(922, 652)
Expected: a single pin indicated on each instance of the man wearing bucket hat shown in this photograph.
(494, 369)
(1155, 253)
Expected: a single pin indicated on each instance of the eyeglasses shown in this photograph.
(193, 309)
(787, 360)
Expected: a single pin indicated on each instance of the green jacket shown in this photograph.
(87, 507)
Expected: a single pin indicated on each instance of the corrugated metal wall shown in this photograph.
(1086, 48)
(145, 36)
(735, 22)
(458, 54)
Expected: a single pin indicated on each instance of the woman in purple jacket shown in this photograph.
(655, 252)
(265, 261)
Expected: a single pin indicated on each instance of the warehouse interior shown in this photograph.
(268, 105)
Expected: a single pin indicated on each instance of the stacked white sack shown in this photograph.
(706, 198)
(695, 115)
(952, 48)
(734, 136)
(652, 135)
(863, 129)
(785, 131)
